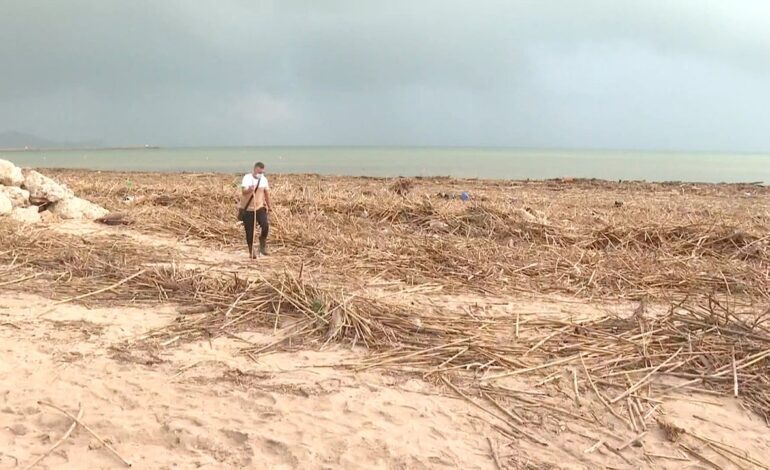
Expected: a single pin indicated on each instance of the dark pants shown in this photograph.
(248, 224)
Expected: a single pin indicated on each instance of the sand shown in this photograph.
(203, 404)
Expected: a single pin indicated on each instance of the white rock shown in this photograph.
(10, 174)
(43, 189)
(6, 206)
(76, 208)
(19, 197)
(26, 215)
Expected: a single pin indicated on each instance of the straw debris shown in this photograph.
(706, 262)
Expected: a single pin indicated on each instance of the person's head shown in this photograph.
(259, 168)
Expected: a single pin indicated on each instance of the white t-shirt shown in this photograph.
(258, 201)
(249, 181)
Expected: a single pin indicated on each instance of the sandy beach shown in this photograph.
(396, 324)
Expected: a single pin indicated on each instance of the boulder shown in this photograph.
(43, 189)
(19, 197)
(10, 174)
(77, 208)
(26, 215)
(6, 206)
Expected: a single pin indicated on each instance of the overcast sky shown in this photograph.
(688, 75)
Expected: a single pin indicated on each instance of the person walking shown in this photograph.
(255, 200)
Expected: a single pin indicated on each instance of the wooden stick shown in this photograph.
(575, 387)
(16, 281)
(631, 414)
(501, 408)
(631, 441)
(601, 398)
(416, 353)
(543, 341)
(254, 222)
(60, 441)
(84, 426)
(517, 325)
(638, 409)
(670, 457)
(612, 449)
(699, 456)
(635, 406)
(735, 375)
(438, 368)
(594, 447)
(641, 383)
(494, 455)
(726, 456)
(512, 425)
(235, 302)
(727, 449)
(108, 288)
(469, 400)
(531, 369)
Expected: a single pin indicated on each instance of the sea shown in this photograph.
(485, 163)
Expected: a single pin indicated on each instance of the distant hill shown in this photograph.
(20, 140)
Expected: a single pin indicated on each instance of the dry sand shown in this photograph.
(205, 406)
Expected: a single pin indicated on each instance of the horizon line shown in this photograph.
(376, 146)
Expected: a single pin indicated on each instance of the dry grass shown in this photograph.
(707, 342)
(551, 236)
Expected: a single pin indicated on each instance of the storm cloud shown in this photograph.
(681, 75)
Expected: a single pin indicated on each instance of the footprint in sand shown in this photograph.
(280, 450)
(237, 437)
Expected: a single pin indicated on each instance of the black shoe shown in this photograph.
(263, 246)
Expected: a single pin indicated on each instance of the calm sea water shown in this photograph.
(458, 162)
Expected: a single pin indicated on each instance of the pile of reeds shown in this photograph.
(552, 236)
(65, 266)
(628, 364)
(709, 344)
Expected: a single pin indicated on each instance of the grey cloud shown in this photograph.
(630, 74)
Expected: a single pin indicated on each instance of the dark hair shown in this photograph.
(259, 165)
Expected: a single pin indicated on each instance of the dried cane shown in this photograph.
(254, 221)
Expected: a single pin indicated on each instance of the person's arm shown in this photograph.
(266, 185)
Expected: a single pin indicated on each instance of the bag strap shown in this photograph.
(252, 195)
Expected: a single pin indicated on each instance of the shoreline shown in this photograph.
(487, 164)
(483, 181)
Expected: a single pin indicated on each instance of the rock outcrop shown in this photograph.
(19, 197)
(76, 208)
(29, 197)
(26, 215)
(10, 175)
(43, 189)
(6, 206)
